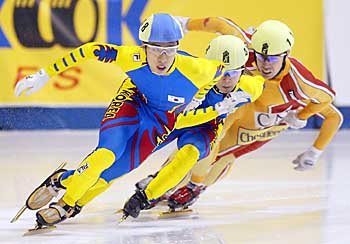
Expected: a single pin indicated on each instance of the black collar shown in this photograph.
(217, 90)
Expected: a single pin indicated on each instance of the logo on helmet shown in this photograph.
(145, 25)
(265, 48)
(226, 57)
(246, 51)
(206, 50)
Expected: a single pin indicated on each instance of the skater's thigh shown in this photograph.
(116, 130)
(137, 149)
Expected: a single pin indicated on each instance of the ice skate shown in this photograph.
(39, 229)
(185, 196)
(142, 185)
(44, 193)
(56, 213)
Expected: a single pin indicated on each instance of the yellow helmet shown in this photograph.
(228, 49)
(272, 37)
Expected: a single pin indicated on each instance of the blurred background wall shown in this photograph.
(34, 34)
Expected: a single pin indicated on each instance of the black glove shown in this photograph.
(135, 204)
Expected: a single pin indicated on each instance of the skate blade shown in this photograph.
(123, 218)
(19, 213)
(162, 203)
(176, 213)
(24, 208)
(39, 230)
(118, 211)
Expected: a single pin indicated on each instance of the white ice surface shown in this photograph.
(262, 200)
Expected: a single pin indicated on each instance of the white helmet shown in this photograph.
(272, 37)
(228, 49)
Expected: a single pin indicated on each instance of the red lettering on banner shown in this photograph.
(67, 80)
(70, 80)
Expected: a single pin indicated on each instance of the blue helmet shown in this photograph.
(160, 28)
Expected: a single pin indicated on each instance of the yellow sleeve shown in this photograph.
(318, 98)
(202, 72)
(331, 123)
(317, 95)
(310, 110)
(196, 117)
(318, 101)
(254, 85)
(206, 88)
(108, 53)
(218, 25)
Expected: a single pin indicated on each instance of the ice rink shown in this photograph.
(262, 200)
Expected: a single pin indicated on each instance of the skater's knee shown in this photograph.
(188, 155)
(66, 178)
(189, 150)
(100, 186)
(204, 151)
(200, 147)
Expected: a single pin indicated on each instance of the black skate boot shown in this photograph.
(142, 185)
(135, 204)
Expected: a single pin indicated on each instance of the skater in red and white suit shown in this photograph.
(292, 94)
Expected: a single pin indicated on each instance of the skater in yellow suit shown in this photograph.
(199, 139)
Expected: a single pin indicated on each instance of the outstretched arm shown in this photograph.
(318, 99)
(219, 25)
(248, 90)
(101, 52)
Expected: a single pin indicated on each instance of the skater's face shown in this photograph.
(160, 56)
(229, 80)
(269, 65)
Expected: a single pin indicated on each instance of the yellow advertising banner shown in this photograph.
(35, 33)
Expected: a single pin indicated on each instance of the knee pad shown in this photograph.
(87, 174)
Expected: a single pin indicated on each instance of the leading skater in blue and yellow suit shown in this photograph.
(195, 143)
(161, 83)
